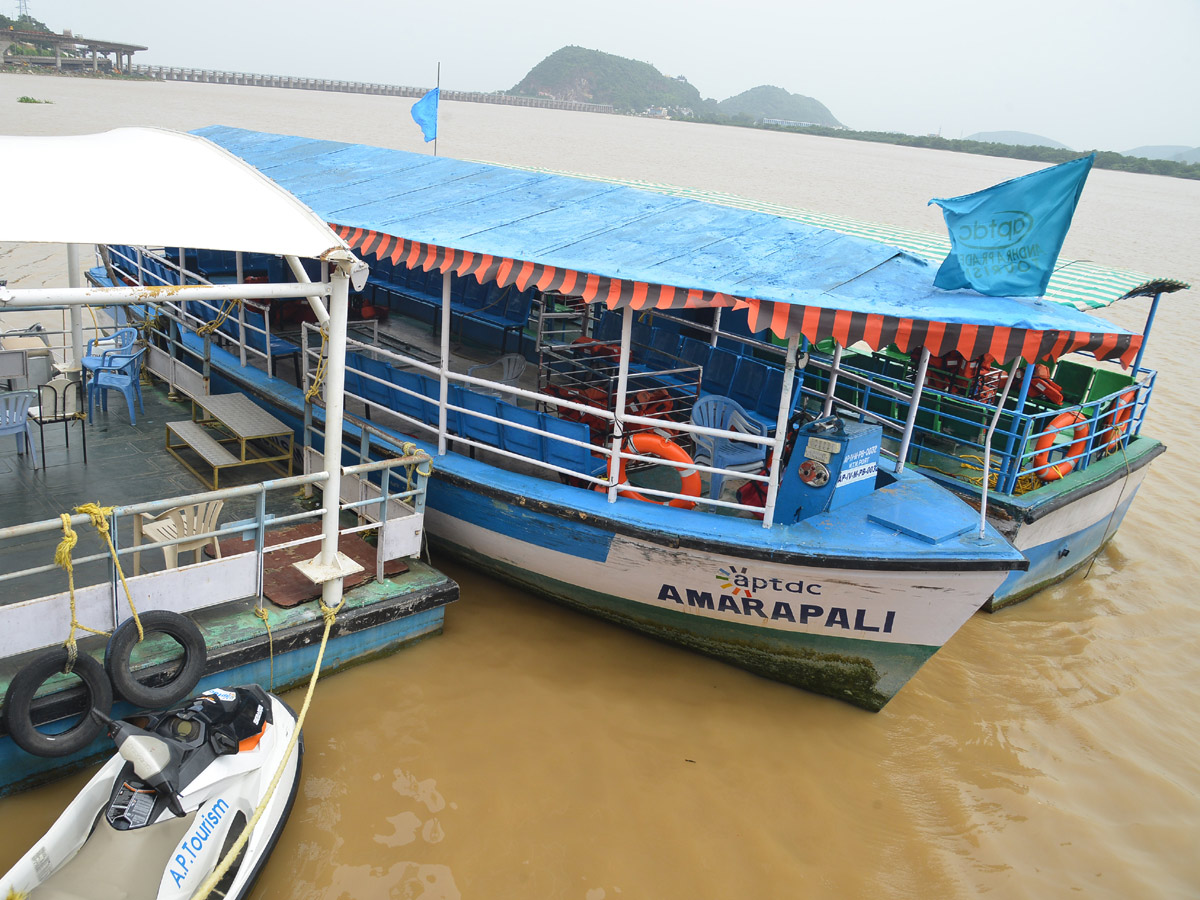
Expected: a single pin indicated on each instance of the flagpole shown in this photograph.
(439, 90)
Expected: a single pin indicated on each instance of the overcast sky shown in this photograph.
(1105, 74)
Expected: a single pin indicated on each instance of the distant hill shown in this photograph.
(770, 102)
(1161, 151)
(1015, 139)
(1188, 156)
(589, 76)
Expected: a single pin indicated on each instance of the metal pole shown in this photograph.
(335, 384)
(1137, 362)
(75, 280)
(444, 366)
(241, 279)
(987, 451)
(913, 406)
(438, 87)
(781, 423)
(614, 462)
(833, 376)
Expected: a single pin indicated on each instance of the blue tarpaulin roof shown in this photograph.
(648, 250)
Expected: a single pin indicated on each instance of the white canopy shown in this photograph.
(150, 187)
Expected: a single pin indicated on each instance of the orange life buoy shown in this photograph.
(1113, 423)
(647, 443)
(1060, 423)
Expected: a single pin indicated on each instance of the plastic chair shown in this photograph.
(121, 371)
(14, 419)
(98, 349)
(724, 414)
(59, 400)
(197, 518)
(506, 370)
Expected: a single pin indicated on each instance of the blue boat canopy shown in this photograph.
(644, 250)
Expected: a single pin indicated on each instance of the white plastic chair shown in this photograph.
(506, 370)
(721, 413)
(197, 518)
(14, 420)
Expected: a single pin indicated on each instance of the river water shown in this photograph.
(1049, 750)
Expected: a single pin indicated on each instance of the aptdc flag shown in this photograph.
(1005, 240)
(424, 113)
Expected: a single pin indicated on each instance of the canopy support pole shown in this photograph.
(987, 450)
(781, 428)
(914, 404)
(1137, 363)
(75, 280)
(834, 368)
(444, 386)
(614, 461)
(335, 401)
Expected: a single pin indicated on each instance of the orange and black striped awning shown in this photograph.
(784, 320)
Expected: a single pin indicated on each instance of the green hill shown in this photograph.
(589, 76)
(770, 102)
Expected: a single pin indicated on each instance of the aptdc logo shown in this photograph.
(1000, 231)
(734, 580)
(737, 581)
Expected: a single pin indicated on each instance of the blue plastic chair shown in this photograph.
(98, 348)
(122, 372)
(14, 420)
(724, 414)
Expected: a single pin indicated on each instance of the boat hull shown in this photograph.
(1061, 530)
(854, 633)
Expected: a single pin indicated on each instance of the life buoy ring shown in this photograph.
(648, 443)
(1060, 423)
(1112, 426)
(18, 704)
(181, 684)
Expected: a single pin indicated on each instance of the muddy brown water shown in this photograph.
(1047, 751)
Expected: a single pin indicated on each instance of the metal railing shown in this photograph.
(418, 413)
(32, 617)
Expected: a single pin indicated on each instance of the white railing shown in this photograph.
(395, 507)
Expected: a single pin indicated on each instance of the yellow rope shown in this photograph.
(14, 894)
(314, 389)
(262, 613)
(62, 558)
(330, 615)
(221, 317)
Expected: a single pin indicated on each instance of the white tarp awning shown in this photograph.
(149, 187)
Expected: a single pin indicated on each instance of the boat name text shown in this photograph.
(194, 843)
(779, 610)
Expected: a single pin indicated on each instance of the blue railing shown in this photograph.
(1031, 437)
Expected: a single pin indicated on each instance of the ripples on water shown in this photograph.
(1048, 750)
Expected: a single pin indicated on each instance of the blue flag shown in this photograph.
(424, 113)
(1004, 241)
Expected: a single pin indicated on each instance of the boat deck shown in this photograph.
(126, 463)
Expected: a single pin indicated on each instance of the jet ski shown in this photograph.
(158, 817)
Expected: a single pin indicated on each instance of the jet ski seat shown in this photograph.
(117, 865)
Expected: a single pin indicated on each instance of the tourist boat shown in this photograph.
(216, 608)
(570, 351)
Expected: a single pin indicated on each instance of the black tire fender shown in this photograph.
(18, 704)
(120, 649)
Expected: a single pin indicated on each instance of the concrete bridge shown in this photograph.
(90, 51)
(207, 76)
